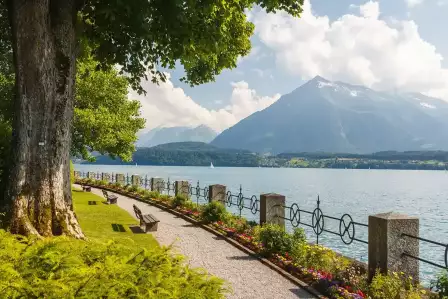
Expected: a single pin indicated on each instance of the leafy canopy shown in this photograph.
(205, 36)
(104, 119)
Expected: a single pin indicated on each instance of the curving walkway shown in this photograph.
(250, 279)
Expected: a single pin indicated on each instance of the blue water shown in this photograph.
(357, 192)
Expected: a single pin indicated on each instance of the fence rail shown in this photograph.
(445, 246)
(346, 228)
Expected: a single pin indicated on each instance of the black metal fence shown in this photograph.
(346, 227)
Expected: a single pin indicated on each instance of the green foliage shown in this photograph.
(67, 268)
(151, 195)
(105, 120)
(132, 188)
(276, 240)
(180, 200)
(206, 36)
(440, 284)
(214, 211)
(318, 257)
(394, 286)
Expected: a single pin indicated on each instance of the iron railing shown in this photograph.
(240, 201)
(424, 260)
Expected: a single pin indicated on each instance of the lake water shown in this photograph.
(357, 192)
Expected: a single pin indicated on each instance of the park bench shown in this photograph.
(111, 199)
(86, 188)
(149, 222)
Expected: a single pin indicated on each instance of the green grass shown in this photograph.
(105, 222)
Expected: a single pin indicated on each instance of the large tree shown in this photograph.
(205, 36)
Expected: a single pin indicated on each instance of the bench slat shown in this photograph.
(150, 219)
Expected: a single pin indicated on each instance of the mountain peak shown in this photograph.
(319, 79)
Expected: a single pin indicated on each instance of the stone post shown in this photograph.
(217, 193)
(272, 209)
(91, 175)
(387, 244)
(182, 188)
(119, 178)
(77, 174)
(157, 184)
(105, 176)
(136, 180)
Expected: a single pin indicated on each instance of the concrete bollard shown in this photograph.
(387, 244)
(217, 193)
(136, 180)
(272, 209)
(182, 188)
(105, 176)
(120, 179)
(157, 184)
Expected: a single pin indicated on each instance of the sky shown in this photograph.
(395, 45)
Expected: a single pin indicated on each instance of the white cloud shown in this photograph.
(166, 105)
(357, 48)
(413, 3)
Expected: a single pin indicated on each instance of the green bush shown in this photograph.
(180, 200)
(68, 268)
(440, 285)
(276, 240)
(394, 286)
(214, 211)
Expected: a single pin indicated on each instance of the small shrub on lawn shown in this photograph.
(67, 268)
(440, 285)
(214, 211)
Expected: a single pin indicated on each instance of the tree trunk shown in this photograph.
(44, 57)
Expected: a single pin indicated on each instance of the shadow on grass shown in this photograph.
(92, 203)
(136, 229)
(118, 228)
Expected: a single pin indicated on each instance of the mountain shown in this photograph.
(187, 154)
(176, 134)
(337, 117)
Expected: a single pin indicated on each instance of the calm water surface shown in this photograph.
(357, 192)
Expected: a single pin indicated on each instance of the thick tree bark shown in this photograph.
(44, 58)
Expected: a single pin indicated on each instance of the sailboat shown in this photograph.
(211, 165)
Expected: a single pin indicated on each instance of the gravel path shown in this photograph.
(250, 279)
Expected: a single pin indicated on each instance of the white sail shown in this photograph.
(211, 165)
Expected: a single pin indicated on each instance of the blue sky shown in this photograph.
(408, 38)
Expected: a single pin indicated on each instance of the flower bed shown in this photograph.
(344, 283)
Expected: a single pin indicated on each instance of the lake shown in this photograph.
(357, 192)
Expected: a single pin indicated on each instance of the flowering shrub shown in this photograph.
(214, 211)
(394, 286)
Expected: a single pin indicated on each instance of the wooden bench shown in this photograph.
(111, 199)
(148, 222)
(86, 188)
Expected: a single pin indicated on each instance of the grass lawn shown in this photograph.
(105, 222)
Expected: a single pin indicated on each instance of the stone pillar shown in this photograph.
(136, 180)
(119, 178)
(77, 174)
(182, 188)
(217, 193)
(387, 244)
(105, 176)
(272, 209)
(157, 184)
(91, 175)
